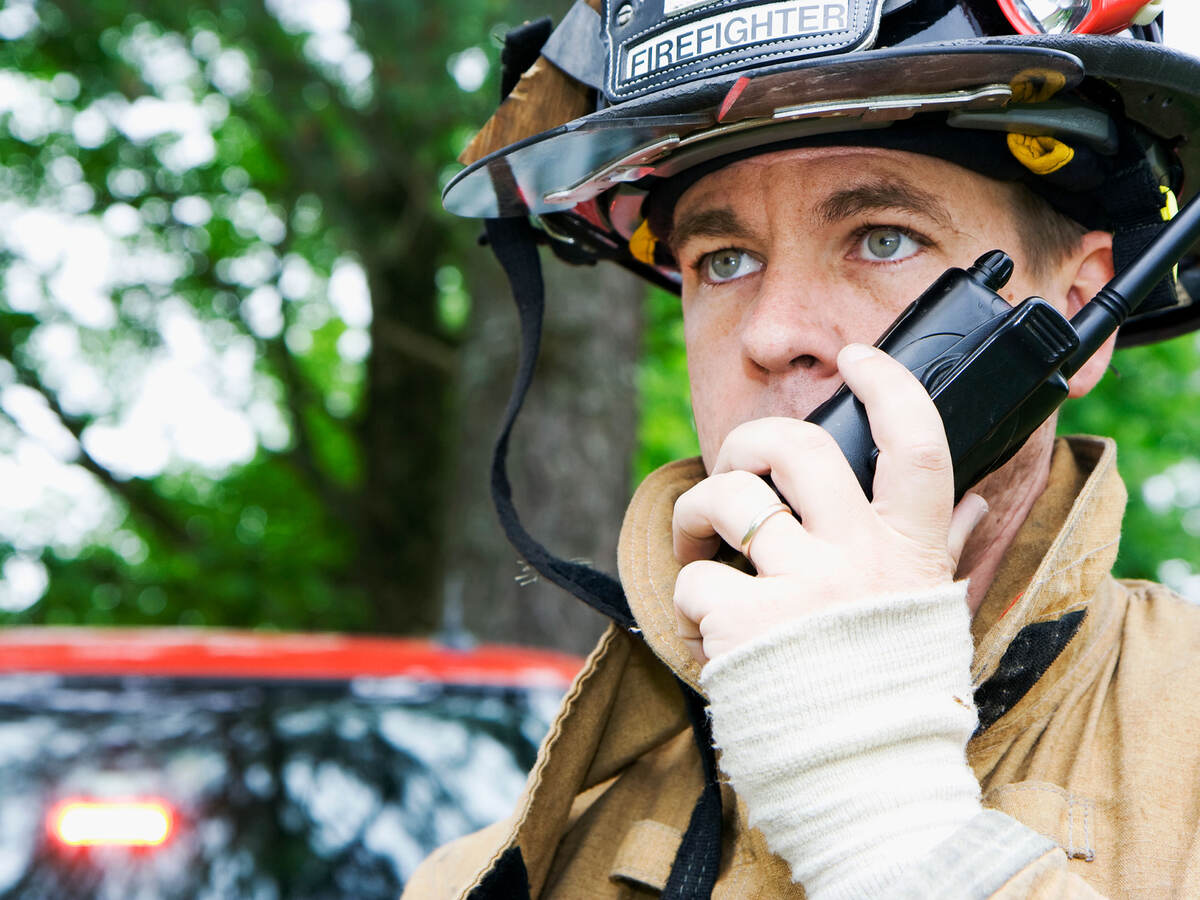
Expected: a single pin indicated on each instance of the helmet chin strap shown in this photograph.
(694, 872)
(514, 241)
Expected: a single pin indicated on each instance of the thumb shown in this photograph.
(968, 514)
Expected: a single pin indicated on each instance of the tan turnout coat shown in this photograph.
(1101, 755)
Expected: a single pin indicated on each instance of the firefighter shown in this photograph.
(819, 684)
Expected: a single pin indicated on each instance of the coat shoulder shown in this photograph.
(1159, 647)
(1157, 611)
(453, 868)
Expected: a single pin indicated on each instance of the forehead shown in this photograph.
(805, 179)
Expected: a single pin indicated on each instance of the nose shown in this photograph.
(792, 326)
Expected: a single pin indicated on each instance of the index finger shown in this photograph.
(914, 476)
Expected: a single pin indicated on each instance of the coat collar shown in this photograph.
(1062, 553)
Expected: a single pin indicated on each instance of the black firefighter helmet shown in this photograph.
(628, 101)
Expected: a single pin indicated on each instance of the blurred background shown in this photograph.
(250, 372)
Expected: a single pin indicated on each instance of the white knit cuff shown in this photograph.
(845, 733)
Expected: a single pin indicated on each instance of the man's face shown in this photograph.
(788, 257)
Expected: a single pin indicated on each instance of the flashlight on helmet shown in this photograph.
(1079, 16)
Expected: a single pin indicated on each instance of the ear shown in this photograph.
(1087, 270)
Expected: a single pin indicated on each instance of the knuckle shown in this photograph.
(879, 365)
(743, 437)
(809, 437)
(739, 480)
(681, 520)
(929, 456)
(687, 578)
(683, 504)
(692, 503)
(689, 584)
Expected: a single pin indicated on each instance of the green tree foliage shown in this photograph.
(250, 191)
(227, 214)
(666, 430)
(1148, 402)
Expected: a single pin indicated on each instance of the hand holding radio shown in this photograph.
(838, 546)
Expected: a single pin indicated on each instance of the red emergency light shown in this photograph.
(111, 823)
(1079, 16)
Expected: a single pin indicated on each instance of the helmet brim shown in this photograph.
(525, 177)
(1159, 85)
(556, 170)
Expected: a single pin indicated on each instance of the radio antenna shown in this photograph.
(1109, 309)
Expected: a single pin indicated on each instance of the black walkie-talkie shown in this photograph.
(996, 372)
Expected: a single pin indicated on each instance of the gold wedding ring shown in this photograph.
(759, 521)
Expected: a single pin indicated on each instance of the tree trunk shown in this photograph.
(405, 439)
(570, 455)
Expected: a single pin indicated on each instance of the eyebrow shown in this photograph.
(712, 222)
(893, 193)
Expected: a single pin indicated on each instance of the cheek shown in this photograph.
(880, 297)
(707, 359)
(715, 375)
(709, 334)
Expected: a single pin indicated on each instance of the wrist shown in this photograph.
(845, 733)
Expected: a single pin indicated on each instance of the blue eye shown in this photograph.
(728, 265)
(887, 245)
